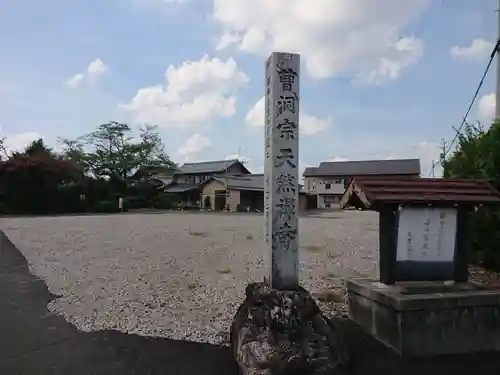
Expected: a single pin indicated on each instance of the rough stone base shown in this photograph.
(283, 332)
(422, 318)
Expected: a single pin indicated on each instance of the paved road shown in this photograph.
(35, 342)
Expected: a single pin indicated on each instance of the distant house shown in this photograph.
(187, 181)
(161, 175)
(329, 180)
(245, 192)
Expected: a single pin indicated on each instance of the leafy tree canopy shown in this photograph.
(478, 157)
(113, 152)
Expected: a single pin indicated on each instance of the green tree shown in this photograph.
(3, 150)
(34, 181)
(111, 151)
(38, 147)
(478, 157)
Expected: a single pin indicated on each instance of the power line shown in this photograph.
(492, 56)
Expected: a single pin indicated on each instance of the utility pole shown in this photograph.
(497, 94)
(442, 155)
(433, 167)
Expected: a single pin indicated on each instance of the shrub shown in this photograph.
(477, 157)
(105, 207)
(484, 236)
(164, 203)
(4, 209)
(67, 199)
(134, 203)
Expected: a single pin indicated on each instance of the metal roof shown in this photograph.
(250, 182)
(426, 190)
(180, 188)
(206, 167)
(365, 168)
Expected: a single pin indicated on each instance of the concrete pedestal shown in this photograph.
(427, 318)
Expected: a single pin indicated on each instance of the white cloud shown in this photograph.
(76, 80)
(18, 142)
(252, 165)
(311, 125)
(238, 156)
(477, 50)
(407, 52)
(95, 69)
(194, 146)
(338, 158)
(196, 92)
(486, 108)
(308, 124)
(333, 36)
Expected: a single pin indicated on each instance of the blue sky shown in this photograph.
(380, 79)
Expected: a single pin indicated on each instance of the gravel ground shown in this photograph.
(180, 275)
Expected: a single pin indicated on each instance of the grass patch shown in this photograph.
(224, 270)
(249, 237)
(313, 248)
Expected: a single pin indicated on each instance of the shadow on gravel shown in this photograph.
(34, 341)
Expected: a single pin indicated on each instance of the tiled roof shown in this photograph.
(426, 190)
(206, 167)
(250, 182)
(180, 188)
(244, 182)
(365, 168)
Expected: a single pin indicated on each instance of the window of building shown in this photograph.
(328, 186)
(331, 200)
(313, 185)
(338, 181)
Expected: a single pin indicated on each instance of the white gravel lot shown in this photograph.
(177, 275)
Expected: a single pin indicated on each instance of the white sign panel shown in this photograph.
(426, 234)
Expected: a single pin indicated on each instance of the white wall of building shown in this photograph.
(328, 190)
(324, 185)
(328, 201)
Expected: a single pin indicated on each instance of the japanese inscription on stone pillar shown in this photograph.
(281, 180)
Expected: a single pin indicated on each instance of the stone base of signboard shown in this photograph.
(282, 333)
(419, 318)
